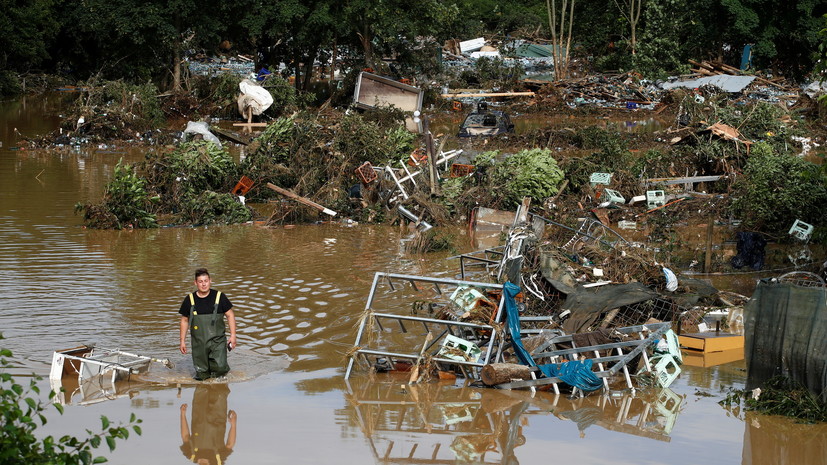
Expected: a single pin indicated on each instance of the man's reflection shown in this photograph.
(205, 444)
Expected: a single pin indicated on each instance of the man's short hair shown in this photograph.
(201, 272)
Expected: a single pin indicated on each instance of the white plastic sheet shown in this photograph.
(200, 127)
(671, 280)
(253, 97)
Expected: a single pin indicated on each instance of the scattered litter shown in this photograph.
(655, 199)
(801, 230)
(203, 129)
(600, 178)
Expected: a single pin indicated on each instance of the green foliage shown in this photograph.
(453, 189)
(26, 31)
(221, 90)
(273, 144)
(9, 83)
(126, 203)
(198, 166)
(183, 184)
(755, 121)
(653, 160)
(780, 396)
(286, 100)
(594, 137)
(662, 46)
(213, 208)
(117, 109)
(400, 141)
(778, 189)
(378, 140)
(820, 54)
(783, 33)
(486, 160)
(493, 73)
(612, 155)
(529, 173)
(497, 18)
(22, 411)
(141, 100)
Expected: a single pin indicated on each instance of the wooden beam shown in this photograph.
(491, 94)
(301, 199)
(243, 140)
(251, 125)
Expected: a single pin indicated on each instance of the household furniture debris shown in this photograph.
(86, 362)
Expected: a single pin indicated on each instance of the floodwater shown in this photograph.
(298, 293)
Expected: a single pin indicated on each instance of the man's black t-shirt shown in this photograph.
(205, 305)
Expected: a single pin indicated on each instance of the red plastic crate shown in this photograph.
(243, 186)
(366, 173)
(459, 171)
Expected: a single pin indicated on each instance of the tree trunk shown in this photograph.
(366, 38)
(498, 373)
(296, 71)
(634, 18)
(176, 65)
(560, 40)
(308, 70)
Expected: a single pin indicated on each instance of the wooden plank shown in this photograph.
(301, 199)
(491, 94)
(684, 180)
(243, 140)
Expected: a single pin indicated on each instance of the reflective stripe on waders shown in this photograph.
(193, 312)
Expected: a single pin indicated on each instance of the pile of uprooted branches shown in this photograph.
(189, 185)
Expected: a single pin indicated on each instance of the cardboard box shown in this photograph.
(696, 358)
(712, 341)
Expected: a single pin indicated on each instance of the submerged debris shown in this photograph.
(779, 396)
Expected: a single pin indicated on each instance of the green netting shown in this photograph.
(786, 335)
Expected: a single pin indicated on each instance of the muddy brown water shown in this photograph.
(297, 293)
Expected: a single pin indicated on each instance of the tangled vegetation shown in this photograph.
(528, 173)
(780, 396)
(23, 411)
(126, 203)
(115, 110)
(189, 185)
(778, 189)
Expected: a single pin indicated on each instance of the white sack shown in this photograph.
(253, 96)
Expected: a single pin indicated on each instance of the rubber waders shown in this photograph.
(209, 343)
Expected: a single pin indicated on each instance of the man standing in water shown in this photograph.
(203, 312)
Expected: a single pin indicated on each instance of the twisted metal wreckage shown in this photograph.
(599, 335)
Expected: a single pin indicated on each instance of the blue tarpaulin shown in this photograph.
(574, 373)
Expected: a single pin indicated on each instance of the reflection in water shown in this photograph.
(438, 423)
(773, 440)
(205, 442)
(92, 390)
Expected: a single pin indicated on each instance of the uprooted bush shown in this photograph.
(431, 240)
(612, 155)
(126, 203)
(778, 189)
(115, 110)
(188, 185)
(780, 396)
(529, 173)
(316, 154)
